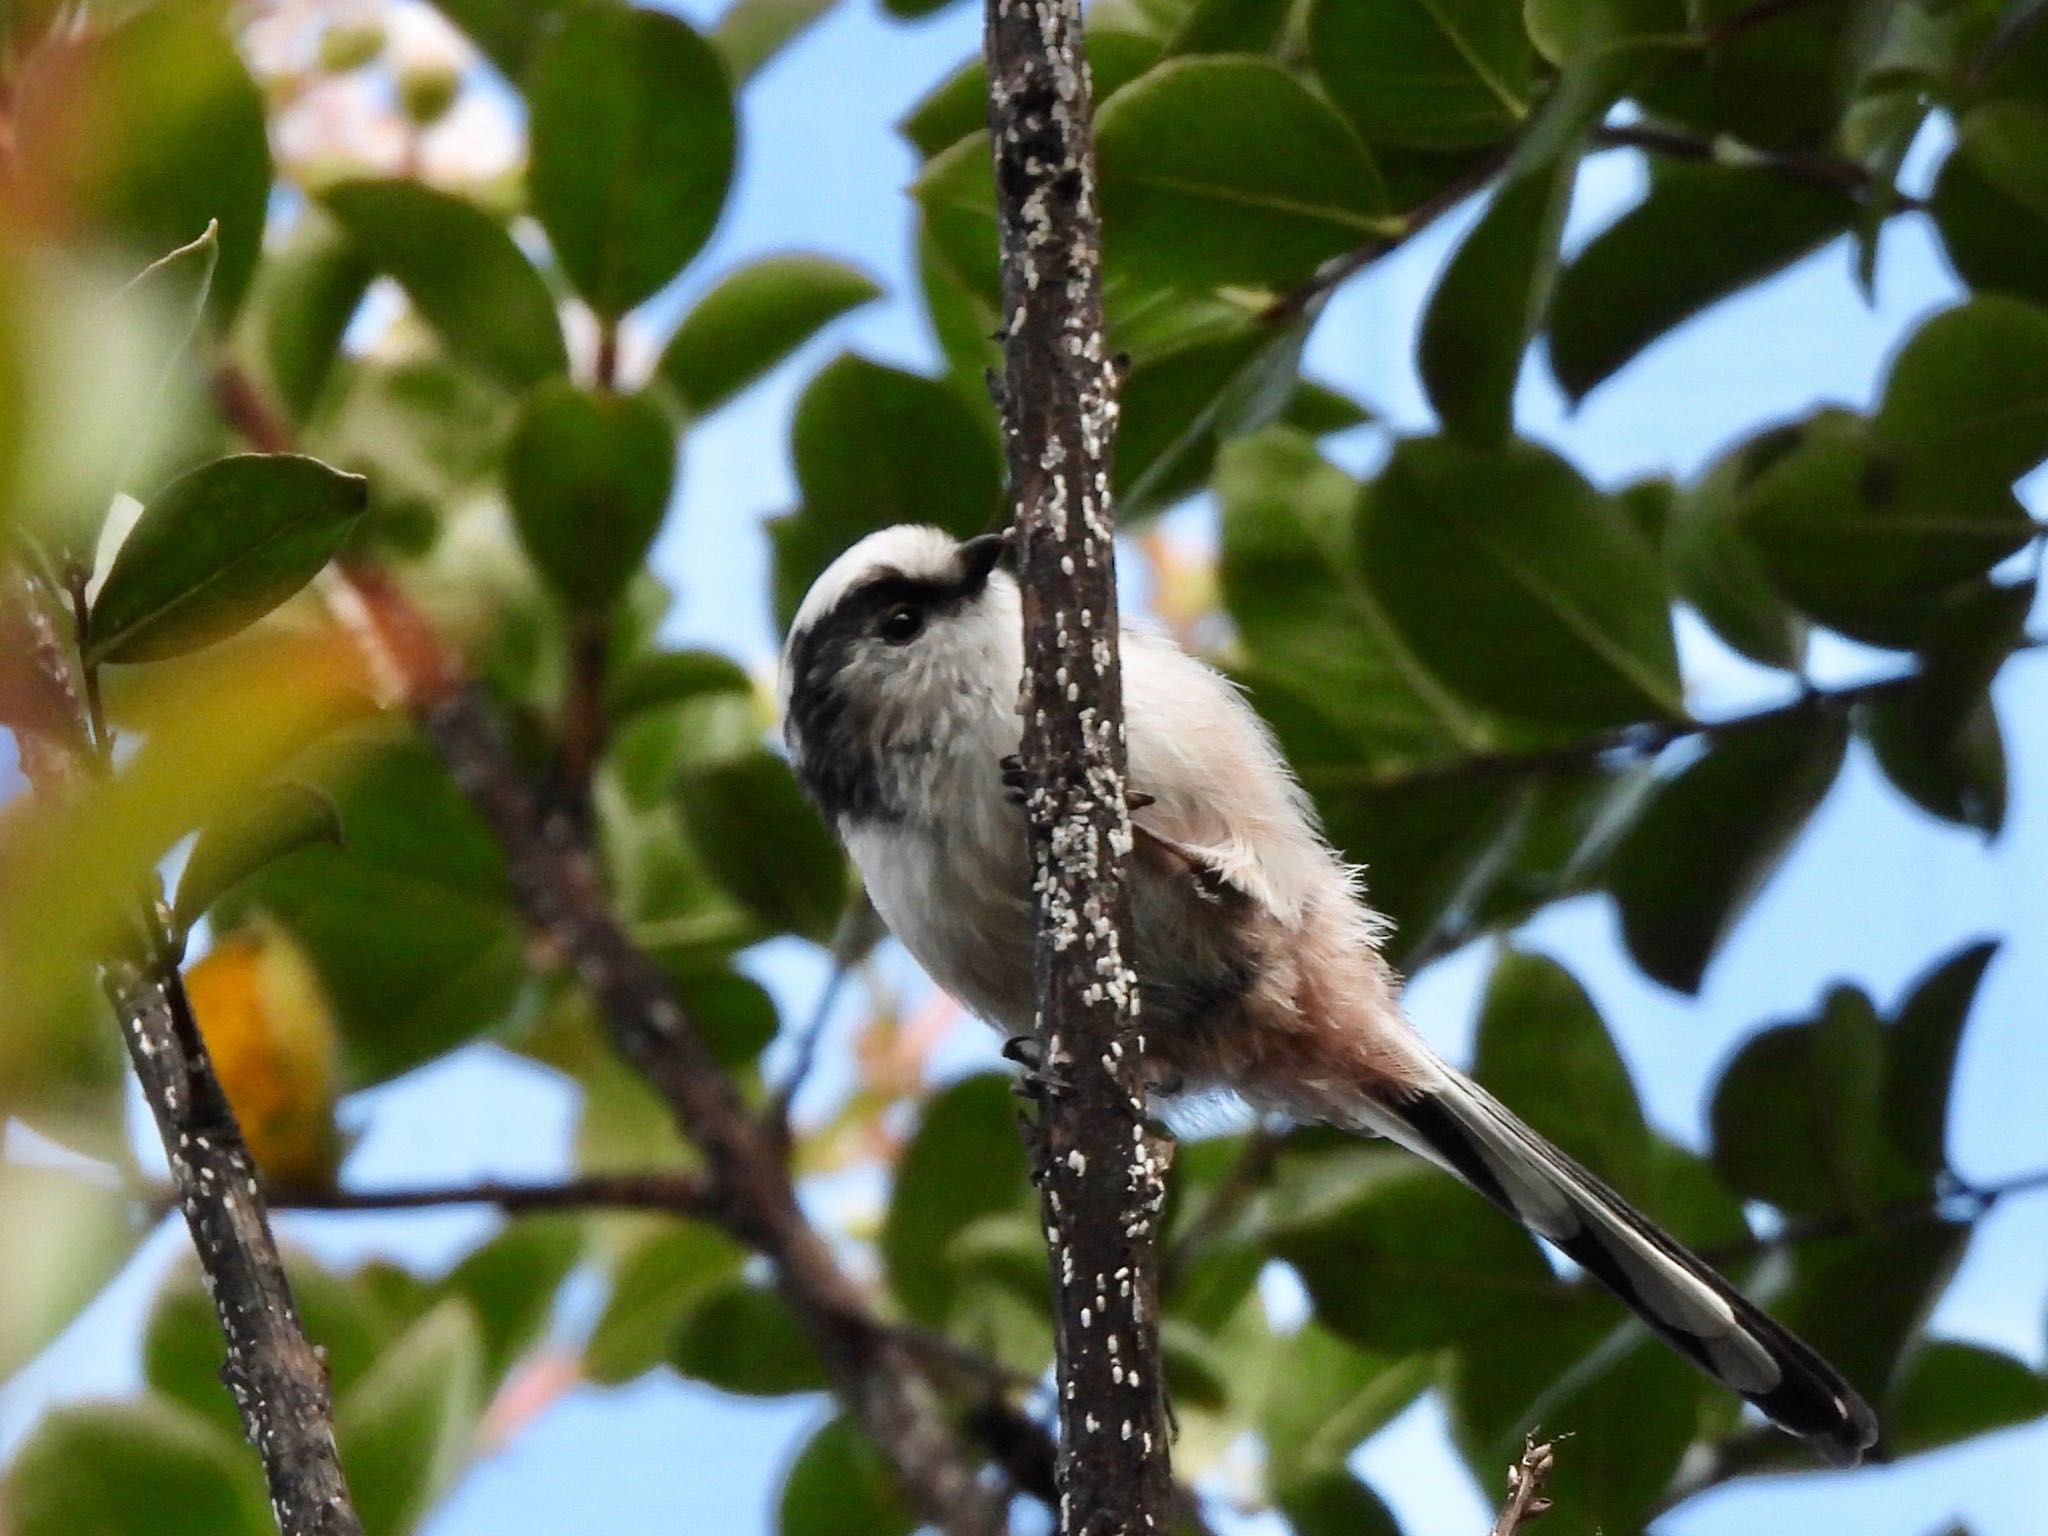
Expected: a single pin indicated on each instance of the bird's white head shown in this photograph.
(906, 642)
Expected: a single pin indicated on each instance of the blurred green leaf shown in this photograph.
(463, 273)
(1334, 1503)
(1228, 26)
(1545, 1052)
(839, 1483)
(743, 1338)
(876, 445)
(1920, 1055)
(1862, 1299)
(510, 1281)
(405, 1429)
(1991, 199)
(140, 1468)
(733, 1013)
(661, 1276)
(957, 107)
(956, 193)
(70, 1235)
(588, 474)
(1326, 1397)
(1562, 612)
(217, 549)
(751, 33)
(633, 142)
(283, 820)
(1178, 405)
(1724, 822)
(657, 679)
(750, 824)
(1950, 1391)
(1718, 573)
(149, 133)
(306, 292)
(753, 319)
(1229, 171)
(965, 1161)
(507, 31)
(1424, 74)
(1650, 270)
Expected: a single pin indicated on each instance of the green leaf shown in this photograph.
(510, 1283)
(463, 273)
(1861, 1300)
(839, 1483)
(1227, 26)
(657, 679)
(306, 293)
(588, 474)
(140, 1468)
(1717, 571)
(1490, 301)
(1424, 74)
(633, 142)
(1293, 584)
(957, 107)
(411, 926)
(966, 1161)
(405, 1429)
(753, 319)
(876, 445)
(1177, 405)
(82, 1236)
(507, 31)
(734, 1013)
(752, 32)
(217, 549)
(956, 193)
(286, 819)
(1795, 1115)
(1562, 612)
(750, 824)
(1726, 820)
(1230, 171)
(1567, 30)
(1545, 1052)
(1326, 1398)
(1334, 1503)
(1703, 233)
(1920, 1056)
(1991, 199)
(151, 132)
(1951, 1391)
(1400, 1258)
(743, 1338)
(659, 1279)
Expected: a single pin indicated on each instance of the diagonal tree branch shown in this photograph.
(276, 1375)
(1100, 1171)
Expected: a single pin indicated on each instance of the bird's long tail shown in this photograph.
(1462, 1128)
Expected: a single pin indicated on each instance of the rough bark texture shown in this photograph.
(278, 1378)
(560, 892)
(1100, 1171)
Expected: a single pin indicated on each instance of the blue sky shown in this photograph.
(1873, 892)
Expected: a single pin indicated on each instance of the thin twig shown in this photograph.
(680, 1194)
(1833, 173)
(274, 1373)
(1956, 1200)
(1525, 1488)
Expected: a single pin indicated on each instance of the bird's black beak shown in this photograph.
(980, 556)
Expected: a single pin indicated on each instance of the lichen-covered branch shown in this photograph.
(276, 1375)
(1100, 1171)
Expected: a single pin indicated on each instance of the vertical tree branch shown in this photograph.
(278, 1378)
(1100, 1172)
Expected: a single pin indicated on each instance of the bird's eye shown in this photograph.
(900, 625)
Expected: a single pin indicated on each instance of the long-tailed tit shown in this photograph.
(1258, 959)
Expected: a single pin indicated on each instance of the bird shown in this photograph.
(1259, 960)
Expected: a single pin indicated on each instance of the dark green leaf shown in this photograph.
(152, 132)
(1718, 573)
(510, 1284)
(463, 273)
(657, 679)
(752, 32)
(734, 1013)
(1230, 171)
(404, 1430)
(752, 320)
(1400, 1258)
(1326, 1398)
(284, 820)
(140, 1468)
(1863, 1299)
(74, 1234)
(660, 1278)
(757, 836)
(873, 446)
(1334, 1503)
(506, 30)
(1711, 836)
(1795, 1115)
(743, 1338)
(217, 549)
(839, 1484)
(1424, 74)
(306, 293)
(956, 192)
(588, 475)
(1920, 1056)
(965, 1161)
(1228, 26)
(1562, 612)
(1565, 30)
(1702, 233)
(1178, 404)
(633, 143)
(1991, 199)
(1544, 1051)
(411, 926)
(1950, 1391)
(957, 107)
